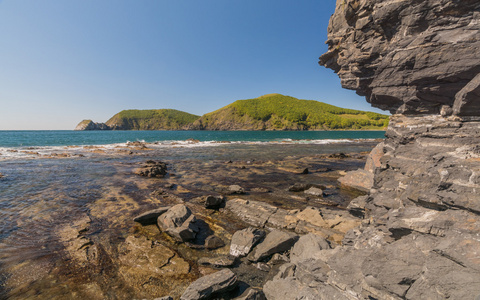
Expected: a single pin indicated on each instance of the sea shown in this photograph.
(52, 181)
(69, 138)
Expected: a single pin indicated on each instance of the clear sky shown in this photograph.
(62, 61)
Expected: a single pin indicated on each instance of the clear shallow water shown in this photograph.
(67, 138)
(42, 197)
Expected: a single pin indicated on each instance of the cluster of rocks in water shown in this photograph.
(275, 237)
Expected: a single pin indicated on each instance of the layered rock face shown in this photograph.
(420, 237)
(408, 56)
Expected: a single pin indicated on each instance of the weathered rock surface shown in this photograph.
(152, 169)
(307, 247)
(214, 242)
(331, 224)
(151, 216)
(214, 202)
(179, 222)
(144, 263)
(420, 236)
(276, 241)
(235, 190)
(244, 240)
(411, 57)
(314, 191)
(360, 180)
(216, 283)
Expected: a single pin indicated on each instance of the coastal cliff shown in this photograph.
(420, 235)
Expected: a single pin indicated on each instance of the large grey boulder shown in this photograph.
(275, 242)
(244, 240)
(216, 283)
(179, 222)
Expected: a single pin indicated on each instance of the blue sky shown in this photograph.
(62, 61)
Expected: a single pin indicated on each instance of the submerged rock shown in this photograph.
(213, 242)
(152, 169)
(216, 283)
(151, 216)
(217, 262)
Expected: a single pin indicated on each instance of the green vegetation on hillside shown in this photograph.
(279, 112)
(154, 119)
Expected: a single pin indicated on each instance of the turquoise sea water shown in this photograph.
(67, 138)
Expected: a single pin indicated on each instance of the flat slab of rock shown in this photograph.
(244, 240)
(332, 223)
(215, 283)
(151, 216)
(253, 212)
(361, 180)
(276, 241)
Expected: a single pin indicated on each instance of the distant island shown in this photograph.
(268, 112)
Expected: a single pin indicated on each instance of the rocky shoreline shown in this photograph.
(109, 241)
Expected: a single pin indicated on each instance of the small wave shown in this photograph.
(119, 148)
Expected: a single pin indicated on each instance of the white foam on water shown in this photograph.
(7, 153)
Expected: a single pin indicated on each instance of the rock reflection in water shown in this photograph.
(67, 227)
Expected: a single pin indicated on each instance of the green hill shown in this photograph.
(154, 119)
(279, 112)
